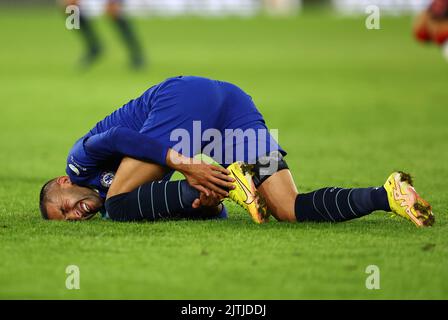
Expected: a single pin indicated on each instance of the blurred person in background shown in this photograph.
(432, 25)
(114, 9)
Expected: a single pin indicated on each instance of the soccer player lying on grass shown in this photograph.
(432, 25)
(124, 163)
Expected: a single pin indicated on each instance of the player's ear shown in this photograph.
(63, 180)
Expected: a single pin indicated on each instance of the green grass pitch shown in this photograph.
(351, 105)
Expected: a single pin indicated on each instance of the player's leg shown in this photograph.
(279, 192)
(329, 204)
(139, 193)
(89, 36)
(266, 172)
(269, 174)
(124, 27)
(334, 204)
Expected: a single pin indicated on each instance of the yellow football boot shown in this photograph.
(245, 194)
(406, 202)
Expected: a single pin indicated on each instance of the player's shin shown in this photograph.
(337, 204)
(152, 201)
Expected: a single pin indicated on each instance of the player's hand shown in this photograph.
(207, 178)
(202, 176)
(213, 200)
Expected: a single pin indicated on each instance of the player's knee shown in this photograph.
(269, 172)
(268, 165)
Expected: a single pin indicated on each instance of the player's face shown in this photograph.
(72, 202)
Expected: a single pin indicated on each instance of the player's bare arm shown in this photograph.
(202, 176)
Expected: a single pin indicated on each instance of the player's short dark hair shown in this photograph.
(43, 198)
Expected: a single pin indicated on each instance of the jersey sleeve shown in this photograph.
(121, 141)
(81, 169)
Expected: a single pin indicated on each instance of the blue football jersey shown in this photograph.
(141, 128)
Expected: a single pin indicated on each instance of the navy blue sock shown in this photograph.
(337, 204)
(152, 201)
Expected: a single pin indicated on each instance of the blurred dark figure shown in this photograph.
(114, 9)
(432, 25)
